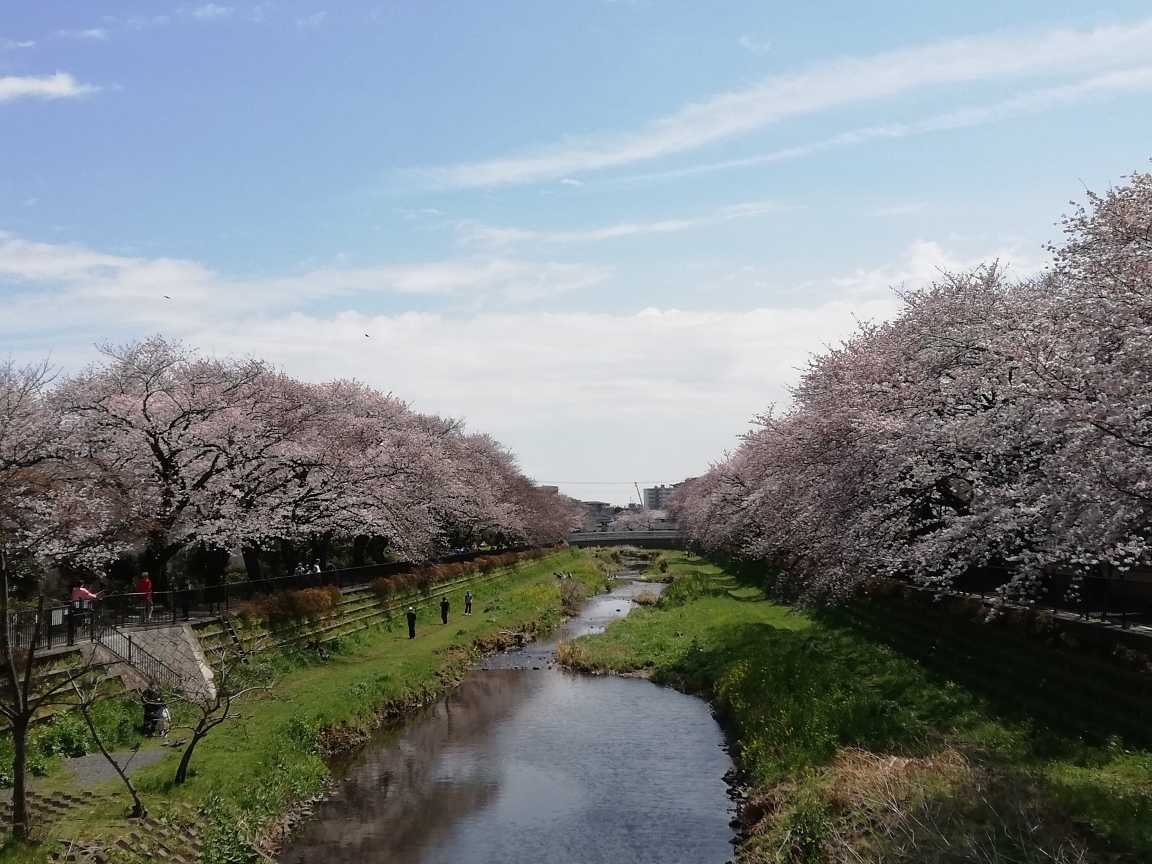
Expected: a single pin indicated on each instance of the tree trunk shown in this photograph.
(320, 549)
(158, 555)
(359, 547)
(252, 566)
(20, 778)
(182, 771)
(289, 556)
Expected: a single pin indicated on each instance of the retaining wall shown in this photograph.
(1079, 674)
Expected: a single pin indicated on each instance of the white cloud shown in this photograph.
(849, 80)
(140, 22)
(58, 86)
(899, 209)
(654, 393)
(96, 34)
(313, 20)
(754, 44)
(924, 263)
(211, 11)
(12, 44)
(1133, 80)
(488, 235)
(101, 289)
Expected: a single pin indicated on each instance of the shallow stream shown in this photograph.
(525, 762)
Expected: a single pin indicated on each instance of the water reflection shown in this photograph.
(526, 766)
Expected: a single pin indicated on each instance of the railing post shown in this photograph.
(1123, 604)
(129, 650)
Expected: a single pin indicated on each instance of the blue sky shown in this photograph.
(606, 232)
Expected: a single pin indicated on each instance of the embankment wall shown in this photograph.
(1079, 674)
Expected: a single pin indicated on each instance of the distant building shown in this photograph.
(656, 498)
(555, 490)
(598, 515)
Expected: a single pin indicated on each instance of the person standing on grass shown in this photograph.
(444, 606)
(144, 589)
(467, 602)
(411, 622)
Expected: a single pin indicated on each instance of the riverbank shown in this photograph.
(852, 752)
(247, 774)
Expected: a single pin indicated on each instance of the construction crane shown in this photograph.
(641, 497)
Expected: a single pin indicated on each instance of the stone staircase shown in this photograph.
(173, 838)
(148, 840)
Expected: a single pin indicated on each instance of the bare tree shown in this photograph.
(87, 692)
(235, 679)
(24, 694)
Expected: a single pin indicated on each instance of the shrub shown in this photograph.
(689, 587)
(304, 605)
(383, 588)
(572, 594)
(424, 582)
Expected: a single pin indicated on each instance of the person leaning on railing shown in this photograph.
(82, 600)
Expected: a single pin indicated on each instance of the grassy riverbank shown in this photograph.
(249, 771)
(855, 753)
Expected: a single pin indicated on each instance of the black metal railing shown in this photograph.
(147, 664)
(67, 623)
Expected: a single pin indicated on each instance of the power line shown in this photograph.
(596, 483)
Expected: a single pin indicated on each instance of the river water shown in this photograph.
(525, 762)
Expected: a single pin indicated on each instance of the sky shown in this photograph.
(608, 232)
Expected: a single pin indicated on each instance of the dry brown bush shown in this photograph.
(292, 606)
(866, 807)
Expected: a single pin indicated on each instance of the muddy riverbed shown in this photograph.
(526, 762)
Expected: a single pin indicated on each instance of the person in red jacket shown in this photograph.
(144, 589)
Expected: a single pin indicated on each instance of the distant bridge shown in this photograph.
(648, 539)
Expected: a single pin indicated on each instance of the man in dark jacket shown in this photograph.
(411, 622)
(444, 610)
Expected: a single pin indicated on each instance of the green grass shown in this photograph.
(801, 696)
(246, 771)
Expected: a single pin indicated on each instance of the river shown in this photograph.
(526, 762)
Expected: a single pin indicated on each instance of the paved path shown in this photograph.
(93, 769)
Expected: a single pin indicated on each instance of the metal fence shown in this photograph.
(68, 623)
(149, 665)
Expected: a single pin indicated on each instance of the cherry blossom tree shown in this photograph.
(993, 423)
(156, 420)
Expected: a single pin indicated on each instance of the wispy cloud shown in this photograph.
(140, 22)
(58, 86)
(13, 45)
(96, 34)
(1000, 57)
(96, 286)
(1133, 80)
(755, 44)
(211, 11)
(487, 235)
(313, 20)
